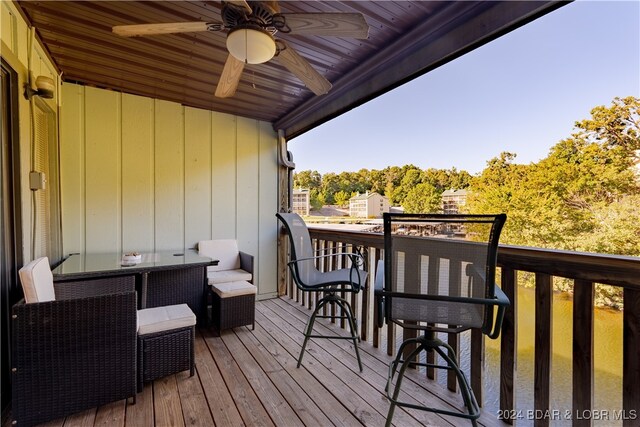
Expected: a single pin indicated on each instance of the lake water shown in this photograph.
(607, 359)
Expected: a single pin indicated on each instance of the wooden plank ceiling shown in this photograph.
(406, 39)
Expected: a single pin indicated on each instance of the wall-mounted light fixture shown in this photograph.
(45, 88)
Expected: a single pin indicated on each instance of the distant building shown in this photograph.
(368, 205)
(301, 201)
(452, 200)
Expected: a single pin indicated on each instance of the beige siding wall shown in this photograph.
(143, 174)
(19, 53)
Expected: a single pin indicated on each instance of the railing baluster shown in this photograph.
(508, 343)
(455, 288)
(543, 343)
(433, 283)
(325, 267)
(582, 351)
(477, 364)
(376, 313)
(630, 358)
(365, 296)
(345, 264)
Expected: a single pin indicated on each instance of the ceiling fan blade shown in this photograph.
(328, 24)
(301, 68)
(153, 29)
(230, 77)
(241, 3)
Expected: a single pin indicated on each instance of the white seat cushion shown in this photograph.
(158, 319)
(224, 250)
(233, 289)
(227, 276)
(37, 281)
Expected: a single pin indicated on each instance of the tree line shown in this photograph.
(584, 196)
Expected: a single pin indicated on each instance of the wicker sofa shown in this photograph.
(73, 348)
(231, 288)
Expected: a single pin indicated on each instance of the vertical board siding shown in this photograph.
(268, 224)
(102, 170)
(247, 182)
(152, 175)
(223, 176)
(72, 168)
(138, 226)
(169, 175)
(197, 175)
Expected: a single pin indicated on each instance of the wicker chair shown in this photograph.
(309, 279)
(438, 276)
(73, 346)
(231, 289)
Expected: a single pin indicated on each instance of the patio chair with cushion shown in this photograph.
(71, 352)
(350, 279)
(231, 289)
(438, 276)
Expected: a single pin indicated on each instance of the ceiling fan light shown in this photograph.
(251, 45)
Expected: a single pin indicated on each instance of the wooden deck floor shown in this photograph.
(250, 378)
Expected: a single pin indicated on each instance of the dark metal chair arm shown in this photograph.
(502, 301)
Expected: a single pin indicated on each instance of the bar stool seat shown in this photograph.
(165, 342)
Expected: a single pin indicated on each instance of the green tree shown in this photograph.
(423, 198)
(330, 186)
(341, 198)
(316, 199)
(307, 179)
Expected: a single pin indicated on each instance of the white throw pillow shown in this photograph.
(37, 281)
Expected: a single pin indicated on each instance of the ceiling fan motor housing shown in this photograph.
(261, 16)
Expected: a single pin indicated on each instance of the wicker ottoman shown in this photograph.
(165, 342)
(234, 304)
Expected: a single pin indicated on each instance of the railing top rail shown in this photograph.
(617, 270)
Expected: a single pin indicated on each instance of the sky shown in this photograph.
(520, 93)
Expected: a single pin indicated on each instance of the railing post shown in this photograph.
(543, 343)
(630, 358)
(582, 351)
(508, 343)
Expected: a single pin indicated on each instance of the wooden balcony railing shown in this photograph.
(584, 269)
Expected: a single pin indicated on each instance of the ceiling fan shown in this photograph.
(251, 27)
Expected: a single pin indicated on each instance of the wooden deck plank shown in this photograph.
(304, 406)
(250, 407)
(219, 398)
(111, 414)
(195, 409)
(345, 384)
(325, 401)
(81, 419)
(425, 392)
(54, 423)
(141, 414)
(375, 373)
(358, 408)
(276, 405)
(166, 401)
